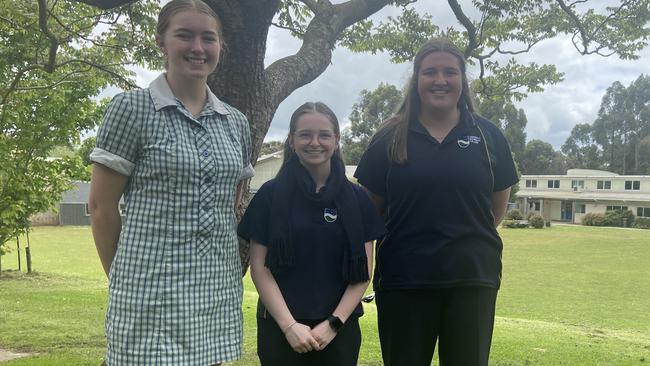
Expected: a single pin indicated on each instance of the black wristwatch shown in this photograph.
(335, 322)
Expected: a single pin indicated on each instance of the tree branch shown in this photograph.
(106, 4)
(578, 24)
(311, 4)
(291, 29)
(314, 56)
(54, 42)
(467, 23)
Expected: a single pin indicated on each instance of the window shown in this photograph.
(632, 185)
(612, 208)
(643, 212)
(604, 184)
(554, 183)
(577, 184)
(531, 183)
(580, 208)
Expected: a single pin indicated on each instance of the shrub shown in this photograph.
(536, 221)
(514, 214)
(514, 224)
(642, 223)
(622, 218)
(594, 219)
(531, 214)
(548, 223)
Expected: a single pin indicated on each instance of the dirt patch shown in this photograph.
(7, 355)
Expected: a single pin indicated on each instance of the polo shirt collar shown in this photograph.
(162, 96)
(466, 121)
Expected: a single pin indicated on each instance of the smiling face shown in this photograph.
(440, 82)
(191, 45)
(314, 140)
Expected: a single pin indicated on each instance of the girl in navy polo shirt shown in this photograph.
(441, 175)
(311, 233)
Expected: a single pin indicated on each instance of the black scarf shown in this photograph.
(293, 179)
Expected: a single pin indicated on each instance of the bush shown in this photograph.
(514, 224)
(531, 214)
(594, 219)
(621, 218)
(514, 214)
(548, 223)
(642, 223)
(536, 221)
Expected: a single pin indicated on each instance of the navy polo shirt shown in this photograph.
(440, 228)
(314, 287)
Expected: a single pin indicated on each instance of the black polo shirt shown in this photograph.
(438, 206)
(314, 287)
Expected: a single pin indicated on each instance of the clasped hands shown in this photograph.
(304, 339)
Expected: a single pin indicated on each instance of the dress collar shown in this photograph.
(162, 96)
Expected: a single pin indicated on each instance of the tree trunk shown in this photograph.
(28, 254)
(18, 251)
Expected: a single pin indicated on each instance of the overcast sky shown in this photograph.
(551, 114)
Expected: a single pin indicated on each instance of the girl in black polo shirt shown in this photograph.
(441, 175)
(311, 233)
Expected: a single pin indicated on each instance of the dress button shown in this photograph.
(206, 153)
(207, 208)
(208, 180)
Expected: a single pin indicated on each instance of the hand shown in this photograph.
(323, 334)
(300, 338)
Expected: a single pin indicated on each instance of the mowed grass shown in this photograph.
(570, 296)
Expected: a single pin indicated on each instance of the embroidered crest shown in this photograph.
(464, 141)
(330, 215)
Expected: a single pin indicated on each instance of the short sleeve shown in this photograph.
(118, 138)
(254, 224)
(373, 167)
(505, 173)
(247, 171)
(373, 224)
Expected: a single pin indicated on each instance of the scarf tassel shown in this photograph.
(357, 270)
(280, 254)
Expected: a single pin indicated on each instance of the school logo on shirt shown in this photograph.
(464, 141)
(330, 215)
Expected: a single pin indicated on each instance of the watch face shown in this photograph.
(335, 322)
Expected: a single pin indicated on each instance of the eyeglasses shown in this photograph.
(308, 136)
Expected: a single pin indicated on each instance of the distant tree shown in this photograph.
(511, 120)
(537, 158)
(371, 109)
(86, 148)
(622, 124)
(271, 147)
(581, 150)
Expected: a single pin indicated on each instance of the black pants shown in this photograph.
(461, 320)
(273, 348)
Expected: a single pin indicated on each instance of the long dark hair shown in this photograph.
(310, 107)
(397, 125)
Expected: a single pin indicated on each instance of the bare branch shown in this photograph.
(467, 23)
(525, 50)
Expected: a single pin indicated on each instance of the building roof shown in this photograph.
(585, 195)
(77, 194)
(274, 155)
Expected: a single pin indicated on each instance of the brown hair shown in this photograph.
(310, 107)
(176, 6)
(397, 125)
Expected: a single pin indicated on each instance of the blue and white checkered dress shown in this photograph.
(175, 284)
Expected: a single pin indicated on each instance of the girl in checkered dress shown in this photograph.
(177, 154)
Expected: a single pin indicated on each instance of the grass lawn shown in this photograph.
(571, 295)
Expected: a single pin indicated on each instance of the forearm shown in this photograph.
(271, 296)
(499, 205)
(353, 293)
(106, 227)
